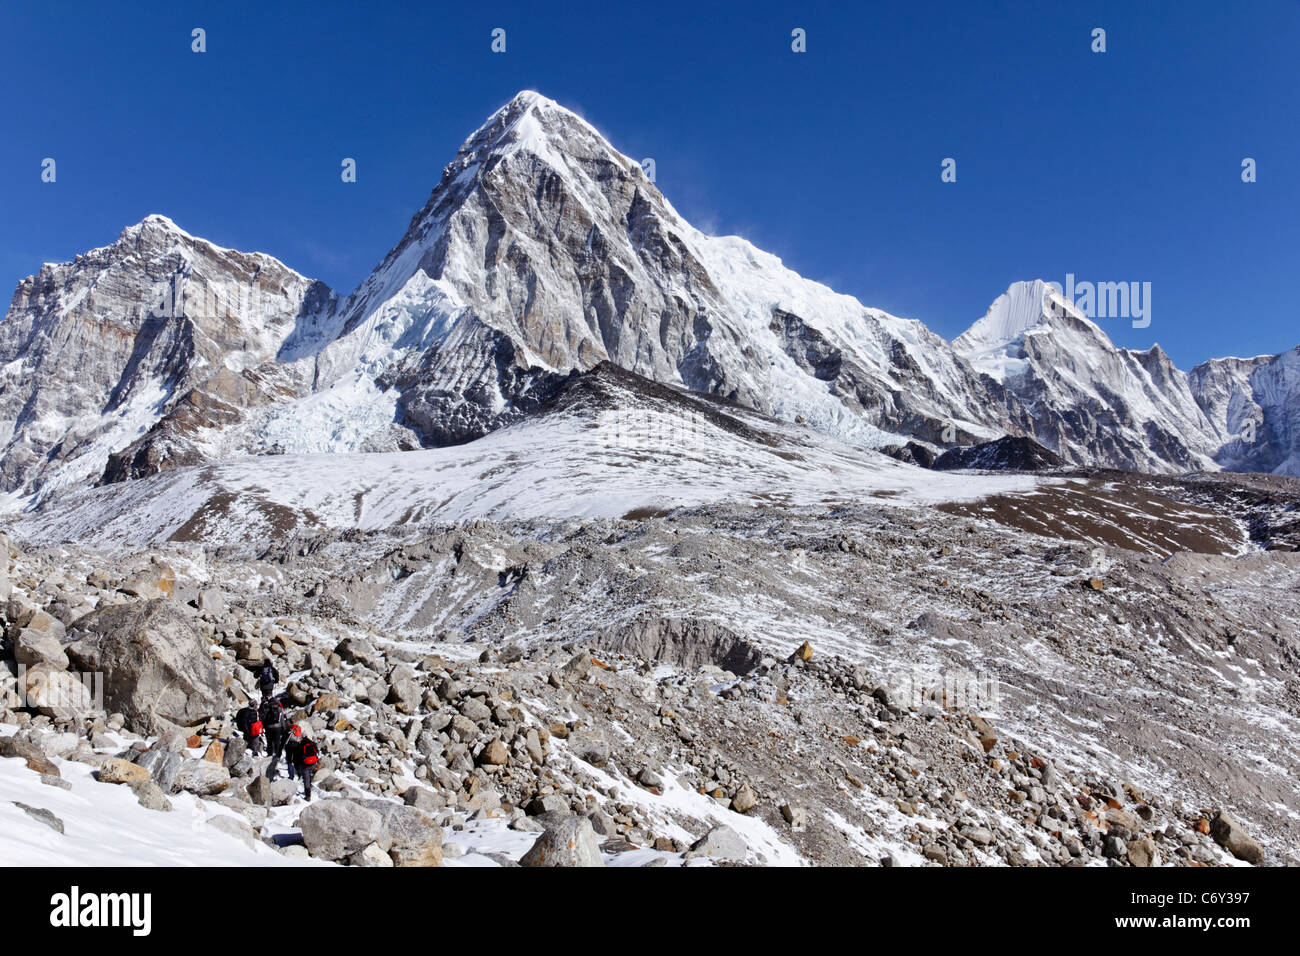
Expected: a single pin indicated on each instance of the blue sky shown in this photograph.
(1115, 166)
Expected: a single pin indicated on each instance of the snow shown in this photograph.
(105, 825)
(572, 464)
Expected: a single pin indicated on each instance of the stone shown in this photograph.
(357, 650)
(157, 669)
(474, 709)
(422, 798)
(233, 826)
(577, 668)
(720, 843)
(566, 841)
(744, 800)
(337, 828)
(153, 583)
(216, 752)
(1228, 833)
(117, 770)
(371, 855)
(548, 803)
(163, 766)
(1142, 852)
(797, 817)
(589, 745)
(533, 746)
(149, 795)
(34, 756)
(405, 696)
(987, 735)
(495, 754)
(33, 646)
(202, 778)
(51, 690)
(42, 815)
(211, 601)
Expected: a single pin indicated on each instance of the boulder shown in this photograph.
(1227, 832)
(157, 668)
(117, 770)
(272, 793)
(422, 798)
(203, 778)
(405, 695)
(1142, 852)
(42, 815)
(233, 826)
(495, 754)
(33, 646)
(211, 601)
(566, 841)
(589, 745)
(334, 829)
(720, 843)
(149, 795)
(51, 690)
(29, 752)
(548, 803)
(411, 835)
(163, 766)
(744, 800)
(357, 650)
(153, 583)
(371, 855)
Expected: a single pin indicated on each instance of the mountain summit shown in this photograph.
(541, 252)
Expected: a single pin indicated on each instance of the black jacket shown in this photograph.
(245, 719)
(293, 750)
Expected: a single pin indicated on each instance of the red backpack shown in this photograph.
(309, 756)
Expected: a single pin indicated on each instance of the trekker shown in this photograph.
(266, 678)
(302, 756)
(249, 723)
(273, 720)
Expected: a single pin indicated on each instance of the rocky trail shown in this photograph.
(876, 685)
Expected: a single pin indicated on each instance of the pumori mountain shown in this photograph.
(541, 253)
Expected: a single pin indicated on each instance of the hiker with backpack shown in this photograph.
(302, 755)
(266, 678)
(273, 721)
(249, 723)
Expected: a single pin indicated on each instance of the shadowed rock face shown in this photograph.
(685, 642)
(97, 351)
(1005, 454)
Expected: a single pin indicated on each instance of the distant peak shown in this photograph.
(526, 98)
(152, 223)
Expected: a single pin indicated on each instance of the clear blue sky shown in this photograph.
(1122, 166)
